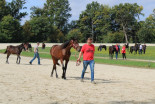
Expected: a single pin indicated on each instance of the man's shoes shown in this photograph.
(39, 64)
(82, 80)
(30, 63)
(93, 82)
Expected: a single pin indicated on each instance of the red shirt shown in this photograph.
(123, 50)
(88, 52)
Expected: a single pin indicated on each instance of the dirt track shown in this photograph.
(32, 84)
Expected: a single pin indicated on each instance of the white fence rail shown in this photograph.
(4, 45)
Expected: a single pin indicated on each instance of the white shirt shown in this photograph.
(140, 47)
(36, 48)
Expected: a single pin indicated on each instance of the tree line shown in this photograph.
(117, 24)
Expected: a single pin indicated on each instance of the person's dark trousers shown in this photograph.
(124, 56)
(36, 55)
(140, 51)
(91, 64)
(116, 54)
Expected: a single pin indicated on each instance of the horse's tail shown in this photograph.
(5, 51)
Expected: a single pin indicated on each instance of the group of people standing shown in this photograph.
(123, 51)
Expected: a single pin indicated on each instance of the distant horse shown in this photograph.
(62, 52)
(102, 46)
(134, 48)
(15, 50)
(43, 45)
(112, 49)
(137, 47)
(144, 48)
(28, 47)
(127, 45)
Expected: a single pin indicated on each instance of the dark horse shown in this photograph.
(134, 48)
(62, 52)
(144, 48)
(112, 49)
(28, 47)
(102, 46)
(15, 50)
(43, 45)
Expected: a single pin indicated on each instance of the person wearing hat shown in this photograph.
(88, 50)
(36, 54)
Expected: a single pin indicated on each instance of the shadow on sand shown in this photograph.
(97, 80)
(152, 101)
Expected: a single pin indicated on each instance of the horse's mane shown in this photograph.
(64, 45)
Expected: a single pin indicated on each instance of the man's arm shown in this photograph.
(35, 50)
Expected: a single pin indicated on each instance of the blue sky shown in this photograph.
(80, 5)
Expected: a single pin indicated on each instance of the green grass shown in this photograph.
(150, 55)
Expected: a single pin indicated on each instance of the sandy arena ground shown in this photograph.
(32, 84)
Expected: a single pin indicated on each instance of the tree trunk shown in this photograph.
(125, 34)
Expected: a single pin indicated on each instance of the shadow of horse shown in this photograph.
(96, 79)
(133, 102)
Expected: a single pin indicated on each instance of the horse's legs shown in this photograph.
(66, 63)
(63, 68)
(17, 59)
(54, 67)
(8, 54)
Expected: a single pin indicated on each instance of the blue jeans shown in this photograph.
(140, 51)
(91, 64)
(36, 55)
(116, 55)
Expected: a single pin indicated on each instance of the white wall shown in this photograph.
(4, 45)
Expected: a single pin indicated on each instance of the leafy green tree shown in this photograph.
(75, 33)
(116, 37)
(15, 9)
(39, 29)
(126, 15)
(4, 9)
(10, 29)
(147, 31)
(95, 21)
(27, 32)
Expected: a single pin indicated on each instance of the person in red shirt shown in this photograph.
(124, 52)
(88, 58)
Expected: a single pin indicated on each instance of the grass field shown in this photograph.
(103, 57)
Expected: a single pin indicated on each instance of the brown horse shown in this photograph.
(62, 52)
(15, 50)
(112, 49)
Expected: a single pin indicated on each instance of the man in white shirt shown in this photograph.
(140, 49)
(36, 54)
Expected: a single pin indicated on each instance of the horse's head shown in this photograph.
(74, 43)
(24, 46)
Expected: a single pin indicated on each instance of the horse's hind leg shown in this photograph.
(19, 59)
(65, 68)
(8, 54)
(54, 67)
(56, 73)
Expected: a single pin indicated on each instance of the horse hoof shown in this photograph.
(56, 76)
(51, 76)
